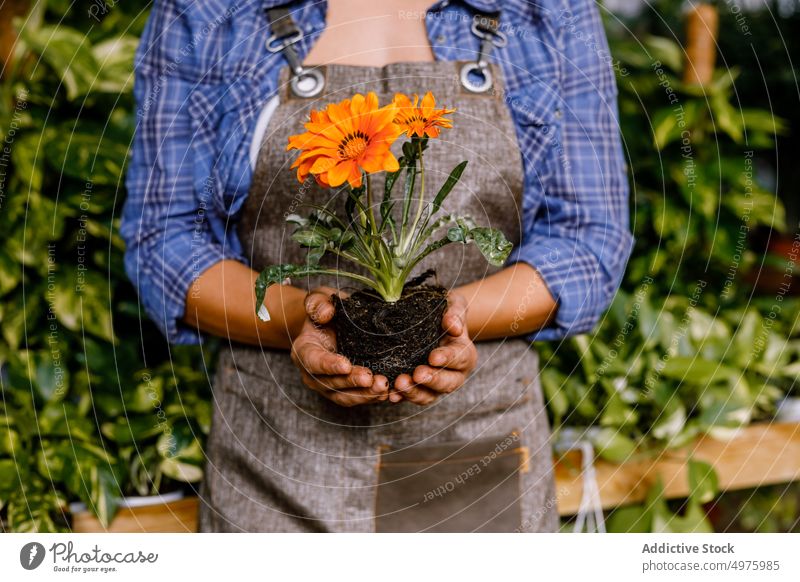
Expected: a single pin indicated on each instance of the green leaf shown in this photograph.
(61, 419)
(665, 50)
(388, 186)
(88, 157)
(50, 372)
(276, 274)
(19, 318)
(309, 238)
(81, 302)
(555, 396)
(617, 413)
(132, 429)
(613, 445)
(493, 244)
(10, 273)
(670, 422)
(665, 128)
(104, 493)
(695, 370)
(115, 59)
(727, 118)
(457, 234)
(185, 472)
(298, 220)
(9, 477)
(408, 187)
(28, 155)
(67, 52)
(633, 519)
(703, 481)
(182, 445)
(763, 120)
(448, 185)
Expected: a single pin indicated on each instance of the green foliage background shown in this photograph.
(94, 403)
(96, 406)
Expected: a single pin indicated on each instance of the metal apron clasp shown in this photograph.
(486, 28)
(305, 83)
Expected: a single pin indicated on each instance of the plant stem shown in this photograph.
(421, 202)
(371, 214)
(407, 236)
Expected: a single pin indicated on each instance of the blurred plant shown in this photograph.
(661, 371)
(658, 515)
(684, 350)
(92, 409)
(93, 406)
(693, 172)
(773, 509)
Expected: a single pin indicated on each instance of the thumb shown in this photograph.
(319, 307)
(454, 321)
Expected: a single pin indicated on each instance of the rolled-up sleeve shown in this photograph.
(170, 228)
(578, 236)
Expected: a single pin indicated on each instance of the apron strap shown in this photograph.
(305, 83)
(487, 28)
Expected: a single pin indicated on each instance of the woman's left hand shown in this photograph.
(450, 363)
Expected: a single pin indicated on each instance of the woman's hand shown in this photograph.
(450, 363)
(323, 370)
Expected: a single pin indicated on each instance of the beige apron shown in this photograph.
(283, 459)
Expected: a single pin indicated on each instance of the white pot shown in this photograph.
(132, 502)
(788, 409)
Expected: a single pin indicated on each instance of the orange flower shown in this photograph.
(344, 139)
(421, 119)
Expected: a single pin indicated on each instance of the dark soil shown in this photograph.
(390, 338)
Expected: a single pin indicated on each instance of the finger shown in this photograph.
(380, 385)
(357, 378)
(319, 307)
(454, 319)
(348, 398)
(456, 355)
(438, 380)
(317, 360)
(395, 395)
(412, 392)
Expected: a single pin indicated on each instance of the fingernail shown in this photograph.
(395, 397)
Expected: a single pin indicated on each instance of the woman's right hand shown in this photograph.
(323, 370)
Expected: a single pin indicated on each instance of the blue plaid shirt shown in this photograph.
(203, 75)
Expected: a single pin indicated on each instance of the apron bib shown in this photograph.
(283, 459)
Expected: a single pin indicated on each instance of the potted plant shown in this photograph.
(156, 440)
(121, 460)
(391, 324)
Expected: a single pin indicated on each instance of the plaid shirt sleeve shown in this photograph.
(577, 235)
(172, 230)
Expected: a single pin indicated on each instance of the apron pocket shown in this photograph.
(451, 487)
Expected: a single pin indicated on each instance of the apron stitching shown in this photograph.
(516, 451)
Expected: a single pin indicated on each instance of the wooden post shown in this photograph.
(702, 25)
(9, 9)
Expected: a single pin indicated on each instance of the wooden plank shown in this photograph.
(760, 454)
(174, 517)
